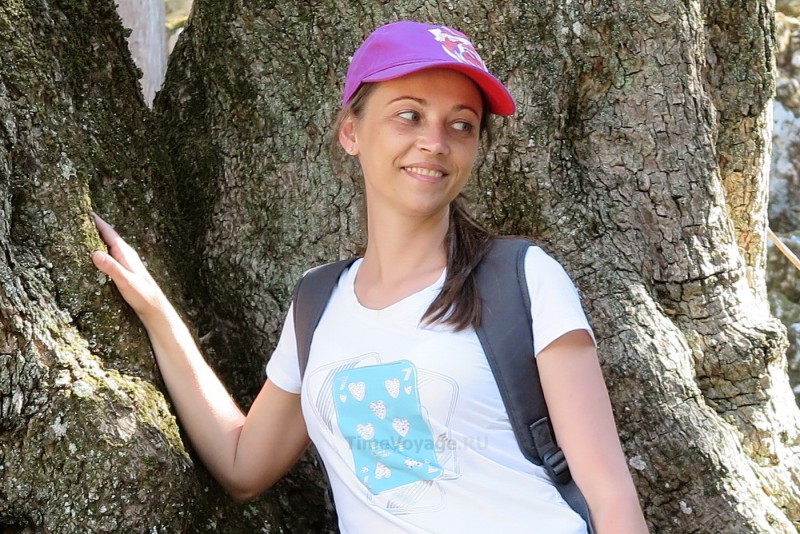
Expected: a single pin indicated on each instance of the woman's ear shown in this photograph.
(347, 136)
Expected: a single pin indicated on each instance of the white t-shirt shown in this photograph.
(409, 421)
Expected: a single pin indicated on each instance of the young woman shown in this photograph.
(398, 396)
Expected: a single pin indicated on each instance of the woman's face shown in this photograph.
(416, 139)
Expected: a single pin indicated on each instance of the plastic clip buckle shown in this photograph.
(556, 466)
(553, 459)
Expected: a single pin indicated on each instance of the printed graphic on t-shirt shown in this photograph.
(379, 414)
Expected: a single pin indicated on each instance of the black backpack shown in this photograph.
(507, 339)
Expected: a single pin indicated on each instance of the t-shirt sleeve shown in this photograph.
(283, 368)
(555, 305)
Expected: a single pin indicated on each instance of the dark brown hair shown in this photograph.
(458, 304)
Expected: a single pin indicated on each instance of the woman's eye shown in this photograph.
(463, 126)
(409, 115)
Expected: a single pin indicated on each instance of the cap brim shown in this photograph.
(500, 100)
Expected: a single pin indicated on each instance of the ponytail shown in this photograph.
(459, 304)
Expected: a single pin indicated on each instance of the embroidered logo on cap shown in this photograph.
(458, 47)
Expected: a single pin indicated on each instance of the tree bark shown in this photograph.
(87, 440)
(637, 158)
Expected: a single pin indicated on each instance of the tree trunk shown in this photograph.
(87, 440)
(637, 158)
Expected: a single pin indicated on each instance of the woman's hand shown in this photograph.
(128, 272)
(246, 454)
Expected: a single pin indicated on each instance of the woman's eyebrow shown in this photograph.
(420, 101)
(468, 108)
(423, 102)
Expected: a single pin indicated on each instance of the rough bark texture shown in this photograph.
(637, 158)
(87, 440)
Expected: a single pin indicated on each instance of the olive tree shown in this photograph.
(638, 158)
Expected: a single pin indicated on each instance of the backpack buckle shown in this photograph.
(556, 466)
(553, 459)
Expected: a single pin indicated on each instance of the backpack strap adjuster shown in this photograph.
(553, 459)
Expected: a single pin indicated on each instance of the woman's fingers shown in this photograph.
(127, 271)
(127, 282)
(117, 247)
(107, 232)
(138, 290)
(108, 265)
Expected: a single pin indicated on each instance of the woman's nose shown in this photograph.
(433, 139)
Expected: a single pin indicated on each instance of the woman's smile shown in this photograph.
(426, 172)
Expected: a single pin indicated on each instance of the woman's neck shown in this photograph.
(403, 256)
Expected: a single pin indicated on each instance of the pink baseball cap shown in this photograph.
(404, 47)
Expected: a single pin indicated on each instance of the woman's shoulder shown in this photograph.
(541, 267)
(537, 261)
(536, 255)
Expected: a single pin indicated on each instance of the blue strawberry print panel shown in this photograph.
(379, 414)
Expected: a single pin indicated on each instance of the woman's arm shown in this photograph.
(246, 454)
(580, 410)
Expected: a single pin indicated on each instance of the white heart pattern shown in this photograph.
(357, 390)
(411, 464)
(365, 431)
(407, 389)
(401, 426)
(378, 408)
(393, 387)
(381, 471)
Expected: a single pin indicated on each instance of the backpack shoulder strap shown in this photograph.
(309, 300)
(506, 335)
(507, 338)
